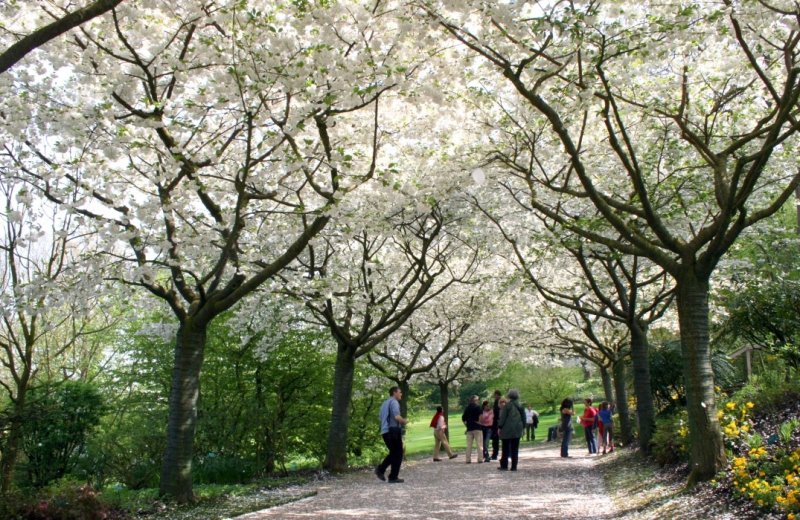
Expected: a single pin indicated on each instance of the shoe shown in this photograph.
(379, 474)
(487, 459)
(604, 452)
(513, 469)
(396, 481)
(454, 455)
(494, 457)
(437, 460)
(501, 468)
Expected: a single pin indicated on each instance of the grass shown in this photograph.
(419, 434)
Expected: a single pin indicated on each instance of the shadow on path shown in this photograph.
(546, 486)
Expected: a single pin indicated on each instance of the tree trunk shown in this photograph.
(625, 430)
(444, 396)
(645, 409)
(336, 457)
(608, 389)
(707, 455)
(176, 468)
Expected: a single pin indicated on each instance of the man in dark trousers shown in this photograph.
(495, 433)
(391, 421)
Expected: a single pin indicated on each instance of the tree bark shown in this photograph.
(176, 468)
(42, 35)
(444, 396)
(336, 457)
(707, 455)
(625, 430)
(608, 389)
(645, 408)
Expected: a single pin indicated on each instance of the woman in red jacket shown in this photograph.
(587, 421)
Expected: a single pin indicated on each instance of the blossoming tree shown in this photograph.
(676, 123)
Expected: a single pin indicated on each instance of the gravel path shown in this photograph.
(546, 486)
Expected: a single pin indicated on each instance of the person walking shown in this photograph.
(567, 412)
(531, 422)
(391, 423)
(588, 423)
(439, 425)
(486, 420)
(511, 425)
(496, 412)
(471, 419)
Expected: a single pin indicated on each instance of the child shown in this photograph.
(607, 419)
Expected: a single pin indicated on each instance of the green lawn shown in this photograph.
(419, 434)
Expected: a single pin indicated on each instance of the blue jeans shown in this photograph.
(565, 443)
(591, 440)
(487, 436)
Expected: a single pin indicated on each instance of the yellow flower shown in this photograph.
(731, 405)
(749, 405)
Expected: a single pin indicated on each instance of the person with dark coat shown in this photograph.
(471, 419)
(511, 426)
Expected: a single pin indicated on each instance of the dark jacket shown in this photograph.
(512, 420)
(496, 410)
(471, 416)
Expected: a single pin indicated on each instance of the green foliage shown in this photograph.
(68, 500)
(217, 469)
(671, 439)
(768, 394)
(666, 374)
(467, 390)
(786, 430)
(545, 388)
(259, 408)
(58, 420)
(364, 440)
(762, 302)
(129, 443)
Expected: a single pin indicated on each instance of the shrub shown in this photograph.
(221, 469)
(769, 476)
(671, 439)
(56, 426)
(66, 500)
